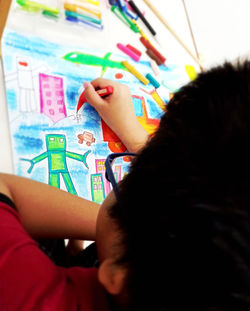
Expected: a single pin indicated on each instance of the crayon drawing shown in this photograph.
(52, 143)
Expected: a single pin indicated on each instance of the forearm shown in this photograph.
(134, 138)
(48, 212)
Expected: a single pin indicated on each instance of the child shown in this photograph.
(177, 235)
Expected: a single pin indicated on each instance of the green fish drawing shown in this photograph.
(92, 60)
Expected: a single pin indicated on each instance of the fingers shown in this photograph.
(91, 95)
(101, 83)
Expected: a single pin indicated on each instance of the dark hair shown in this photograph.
(184, 207)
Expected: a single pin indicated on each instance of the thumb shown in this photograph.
(91, 95)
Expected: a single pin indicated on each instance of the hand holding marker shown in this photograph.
(102, 92)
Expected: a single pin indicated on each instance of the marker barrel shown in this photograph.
(139, 13)
(149, 46)
(129, 52)
(136, 73)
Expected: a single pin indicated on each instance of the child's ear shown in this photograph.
(112, 276)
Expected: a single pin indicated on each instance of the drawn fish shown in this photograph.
(88, 59)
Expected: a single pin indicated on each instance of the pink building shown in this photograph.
(100, 169)
(52, 97)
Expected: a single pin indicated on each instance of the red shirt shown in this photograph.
(29, 280)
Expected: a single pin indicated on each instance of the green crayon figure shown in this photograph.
(57, 154)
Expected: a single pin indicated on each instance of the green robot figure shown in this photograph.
(56, 154)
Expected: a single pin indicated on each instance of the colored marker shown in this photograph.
(152, 55)
(152, 80)
(149, 46)
(84, 17)
(122, 5)
(127, 51)
(122, 16)
(79, 9)
(102, 92)
(139, 13)
(139, 53)
(139, 29)
(136, 73)
(155, 67)
(79, 20)
(159, 100)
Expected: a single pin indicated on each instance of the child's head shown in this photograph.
(180, 230)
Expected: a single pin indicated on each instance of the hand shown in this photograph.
(117, 111)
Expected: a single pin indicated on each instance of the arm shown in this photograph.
(78, 157)
(118, 112)
(35, 160)
(5, 6)
(48, 212)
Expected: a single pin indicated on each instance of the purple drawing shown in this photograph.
(52, 97)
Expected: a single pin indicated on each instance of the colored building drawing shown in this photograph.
(97, 188)
(100, 169)
(52, 97)
(100, 186)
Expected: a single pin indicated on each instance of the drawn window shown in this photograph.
(52, 139)
(61, 140)
(95, 187)
(48, 94)
(49, 102)
(100, 187)
(138, 106)
(95, 179)
(51, 111)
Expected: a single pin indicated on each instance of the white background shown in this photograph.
(220, 29)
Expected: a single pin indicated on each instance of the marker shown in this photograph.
(82, 16)
(102, 92)
(139, 13)
(131, 14)
(132, 48)
(152, 80)
(80, 20)
(149, 46)
(122, 5)
(129, 52)
(152, 55)
(122, 16)
(159, 100)
(84, 10)
(136, 73)
(155, 67)
(139, 29)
